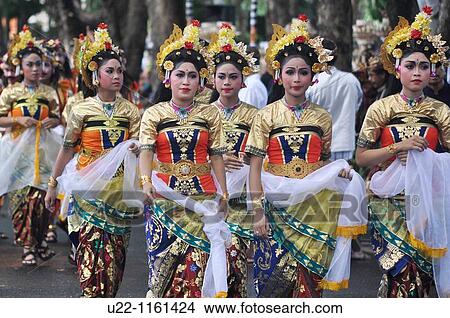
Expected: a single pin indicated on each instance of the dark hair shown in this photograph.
(184, 55)
(101, 58)
(331, 45)
(413, 46)
(162, 94)
(28, 51)
(255, 51)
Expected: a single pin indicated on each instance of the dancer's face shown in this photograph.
(228, 80)
(110, 75)
(296, 76)
(32, 67)
(414, 72)
(184, 82)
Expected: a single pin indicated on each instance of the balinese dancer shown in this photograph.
(104, 126)
(302, 235)
(29, 109)
(228, 64)
(396, 127)
(186, 232)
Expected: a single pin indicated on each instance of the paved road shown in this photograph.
(57, 278)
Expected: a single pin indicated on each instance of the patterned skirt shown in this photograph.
(277, 274)
(30, 218)
(406, 271)
(176, 267)
(100, 261)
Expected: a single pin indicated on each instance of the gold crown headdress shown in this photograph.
(20, 44)
(418, 35)
(224, 42)
(77, 43)
(188, 39)
(49, 49)
(297, 36)
(90, 48)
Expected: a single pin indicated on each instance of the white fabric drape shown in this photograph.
(425, 181)
(283, 192)
(216, 230)
(18, 158)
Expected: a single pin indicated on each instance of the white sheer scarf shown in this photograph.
(425, 181)
(353, 213)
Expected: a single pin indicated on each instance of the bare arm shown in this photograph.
(260, 224)
(64, 156)
(372, 157)
(219, 170)
(145, 169)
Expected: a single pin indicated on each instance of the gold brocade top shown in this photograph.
(190, 140)
(237, 126)
(72, 100)
(391, 120)
(19, 101)
(89, 126)
(277, 132)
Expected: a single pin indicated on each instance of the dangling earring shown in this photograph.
(167, 83)
(17, 73)
(95, 80)
(397, 71)
(433, 70)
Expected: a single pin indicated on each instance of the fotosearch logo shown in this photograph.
(134, 208)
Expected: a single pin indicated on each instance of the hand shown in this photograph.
(260, 223)
(402, 156)
(345, 174)
(50, 199)
(49, 123)
(414, 143)
(149, 192)
(26, 121)
(232, 162)
(134, 148)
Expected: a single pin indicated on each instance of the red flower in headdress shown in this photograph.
(196, 23)
(303, 17)
(416, 34)
(102, 26)
(25, 28)
(30, 44)
(428, 10)
(227, 48)
(225, 26)
(81, 37)
(108, 46)
(188, 45)
(300, 39)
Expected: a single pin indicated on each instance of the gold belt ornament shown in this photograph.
(297, 168)
(184, 169)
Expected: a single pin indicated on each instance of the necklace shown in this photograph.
(412, 102)
(228, 111)
(108, 108)
(297, 109)
(182, 112)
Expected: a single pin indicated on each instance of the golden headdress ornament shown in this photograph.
(188, 39)
(49, 49)
(90, 48)
(22, 43)
(298, 37)
(224, 42)
(77, 44)
(416, 36)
